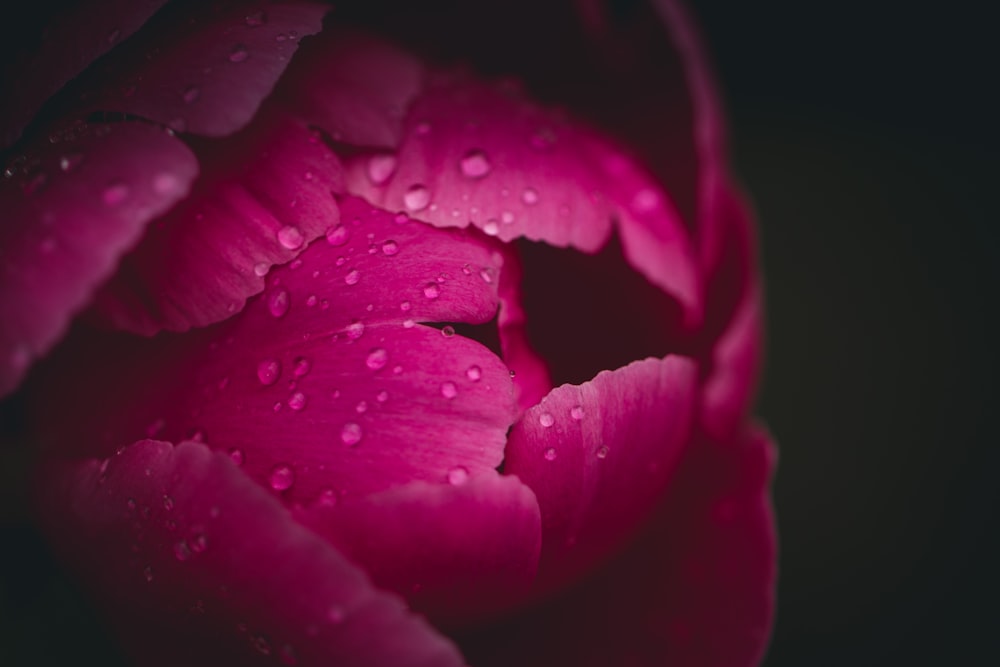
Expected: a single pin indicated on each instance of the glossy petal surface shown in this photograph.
(696, 588)
(199, 566)
(263, 196)
(324, 381)
(206, 74)
(71, 209)
(456, 551)
(599, 456)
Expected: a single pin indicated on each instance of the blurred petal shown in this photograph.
(323, 382)
(354, 86)
(456, 551)
(482, 155)
(696, 589)
(205, 74)
(77, 35)
(71, 209)
(196, 565)
(599, 456)
(263, 196)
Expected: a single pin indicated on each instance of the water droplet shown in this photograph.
(351, 434)
(405, 306)
(390, 248)
(115, 194)
(355, 329)
(302, 366)
(338, 235)
(431, 291)
(70, 162)
(417, 198)
(449, 390)
(311, 300)
(602, 452)
(147, 573)
(409, 323)
(645, 201)
(396, 370)
(282, 478)
(278, 301)
(256, 19)
(238, 54)
(268, 371)
(475, 164)
(327, 498)
(377, 358)
(530, 196)
(381, 167)
(447, 331)
(198, 542)
(261, 644)
(458, 476)
(382, 396)
(546, 419)
(507, 218)
(290, 237)
(487, 276)
(352, 277)
(297, 401)
(287, 655)
(491, 228)
(260, 269)
(474, 373)
(181, 551)
(237, 456)
(550, 454)
(576, 412)
(191, 94)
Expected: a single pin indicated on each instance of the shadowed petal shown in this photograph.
(263, 196)
(196, 565)
(695, 590)
(599, 456)
(324, 381)
(71, 209)
(457, 552)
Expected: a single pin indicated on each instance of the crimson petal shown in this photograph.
(72, 209)
(197, 565)
(264, 195)
(599, 456)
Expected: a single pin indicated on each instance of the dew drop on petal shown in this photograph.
(458, 476)
(302, 366)
(238, 54)
(475, 164)
(68, 163)
(409, 323)
(417, 198)
(256, 19)
(297, 401)
(268, 371)
(491, 228)
(576, 412)
(431, 291)
(352, 277)
(327, 498)
(381, 168)
(181, 551)
(448, 331)
(282, 478)
(355, 329)
(337, 235)
(602, 452)
(474, 373)
(147, 573)
(382, 396)
(550, 454)
(405, 306)
(377, 358)
(115, 194)
(260, 269)
(546, 419)
(277, 302)
(237, 456)
(191, 94)
(390, 248)
(351, 434)
(449, 390)
(290, 237)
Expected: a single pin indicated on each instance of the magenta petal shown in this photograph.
(198, 264)
(196, 565)
(471, 546)
(599, 456)
(77, 36)
(208, 73)
(71, 210)
(354, 86)
(695, 590)
(326, 381)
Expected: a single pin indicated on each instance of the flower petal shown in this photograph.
(77, 35)
(265, 194)
(482, 155)
(205, 74)
(353, 85)
(599, 456)
(457, 552)
(697, 588)
(196, 565)
(323, 382)
(72, 208)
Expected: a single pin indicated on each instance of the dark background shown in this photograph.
(865, 133)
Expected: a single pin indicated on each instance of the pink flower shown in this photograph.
(364, 359)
